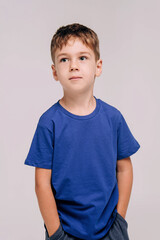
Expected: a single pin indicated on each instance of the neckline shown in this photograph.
(90, 115)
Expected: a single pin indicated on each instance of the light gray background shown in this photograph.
(129, 37)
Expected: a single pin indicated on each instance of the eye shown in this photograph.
(63, 59)
(83, 57)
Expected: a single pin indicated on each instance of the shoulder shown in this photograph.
(46, 119)
(110, 110)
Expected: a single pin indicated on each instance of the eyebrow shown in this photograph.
(61, 54)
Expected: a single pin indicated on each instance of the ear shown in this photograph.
(54, 72)
(99, 68)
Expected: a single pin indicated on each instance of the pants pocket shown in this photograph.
(58, 235)
(123, 226)
(122, 219)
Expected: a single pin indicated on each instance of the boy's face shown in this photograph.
(76, 60)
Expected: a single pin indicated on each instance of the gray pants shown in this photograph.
(118, 231)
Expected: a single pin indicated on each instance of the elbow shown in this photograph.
(42, 186)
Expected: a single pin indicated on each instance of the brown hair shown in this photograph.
(85, 34)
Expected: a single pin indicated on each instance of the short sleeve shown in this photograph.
(41, 150)
(126, 142)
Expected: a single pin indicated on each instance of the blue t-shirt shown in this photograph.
(82, 152)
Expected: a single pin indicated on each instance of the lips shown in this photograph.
(75, 77)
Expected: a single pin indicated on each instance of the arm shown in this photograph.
(125, 180)
(46, 199)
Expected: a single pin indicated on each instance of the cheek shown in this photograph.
(61, 70)
(91, 70)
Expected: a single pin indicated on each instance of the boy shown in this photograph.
(81, 148)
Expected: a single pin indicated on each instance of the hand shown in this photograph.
(122, 214)
(53, 231)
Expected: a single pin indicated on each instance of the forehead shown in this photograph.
(73, 46)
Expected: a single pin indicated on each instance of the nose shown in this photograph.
(74, 66)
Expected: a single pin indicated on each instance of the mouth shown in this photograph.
(75, 78)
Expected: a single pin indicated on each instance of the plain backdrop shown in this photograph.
(129, 35)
